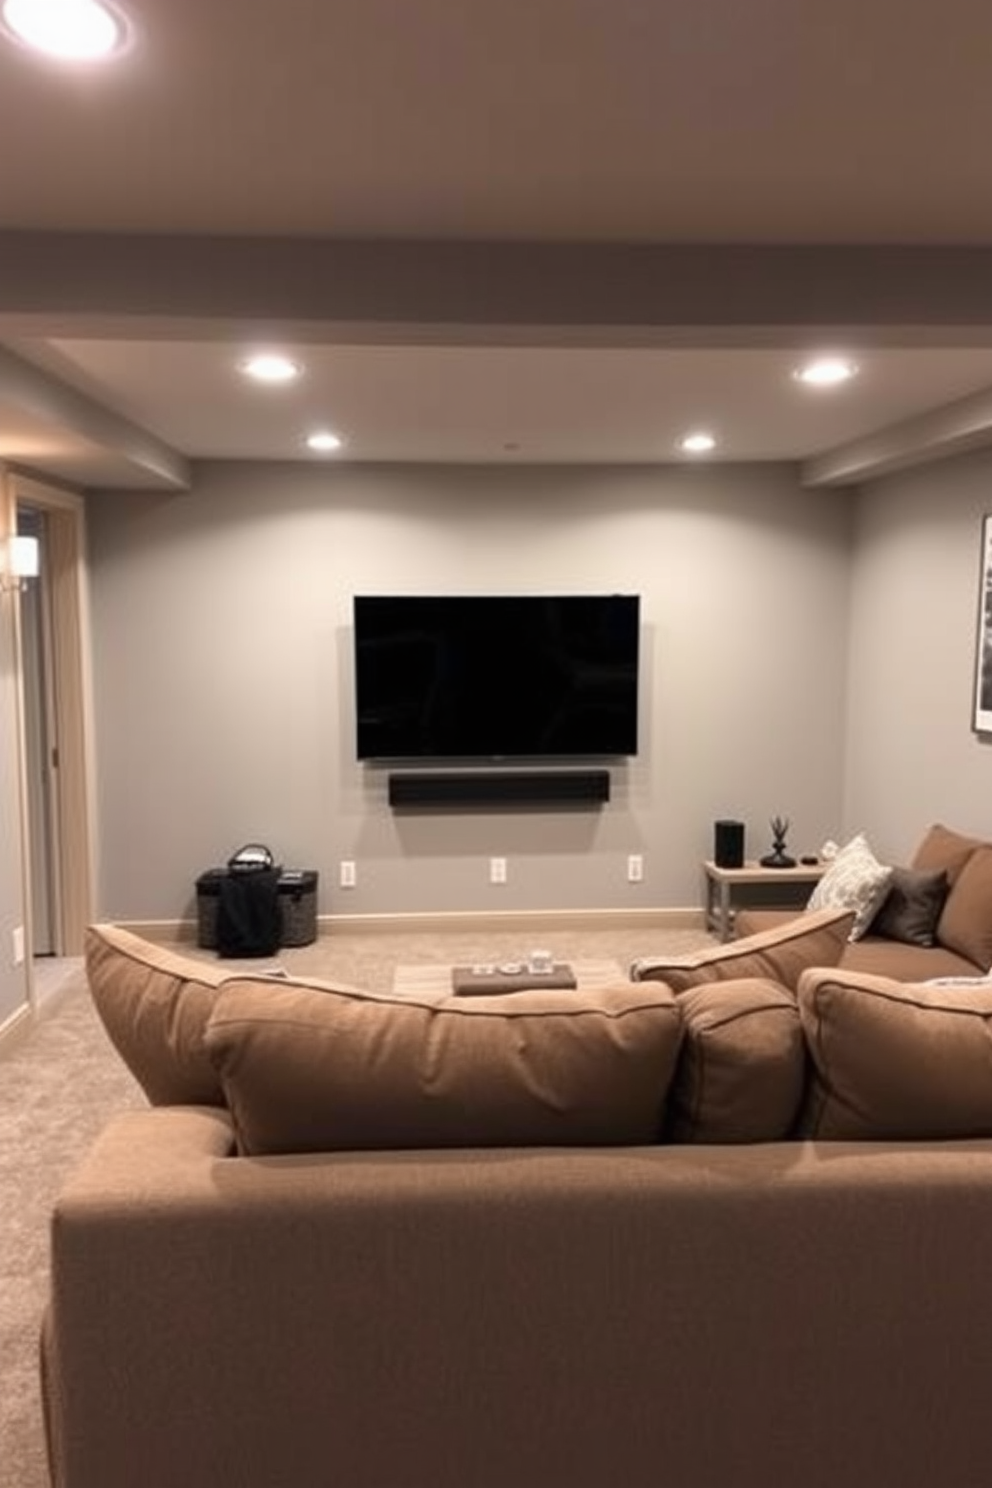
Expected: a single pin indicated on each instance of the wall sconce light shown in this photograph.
(19, 561)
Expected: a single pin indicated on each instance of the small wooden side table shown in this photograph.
(721, 884)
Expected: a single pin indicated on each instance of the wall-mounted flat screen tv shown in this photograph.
(492, 677)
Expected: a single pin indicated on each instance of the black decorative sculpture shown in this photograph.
(778, 857)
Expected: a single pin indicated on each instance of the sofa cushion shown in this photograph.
(944, 848)
(912, 907)
(781, 953)
(892, 958)
(154, 1005)
(741, 1068)
(902, 962)
(894, 1061)
(965, 925)
(312, 1071)
(855, 880)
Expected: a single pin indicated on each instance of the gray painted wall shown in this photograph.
(223, 673)
(911, 755)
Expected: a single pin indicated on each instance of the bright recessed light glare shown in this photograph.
(323, 440)
(699, 442)
(74, 30)
(826, 371)
(271, 366)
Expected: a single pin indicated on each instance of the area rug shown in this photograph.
(62, 1082)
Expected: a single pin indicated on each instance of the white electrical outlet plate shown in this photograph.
(635, 868)
(17, 939)
(347, 877)
(497, 870)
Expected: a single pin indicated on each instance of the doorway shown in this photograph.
(40, 750)
(53, 668)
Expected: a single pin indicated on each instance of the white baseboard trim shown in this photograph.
(514, 920)
(471, 921)
(160, 930)
(13, 1029)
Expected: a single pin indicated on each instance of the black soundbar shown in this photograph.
(499, 788)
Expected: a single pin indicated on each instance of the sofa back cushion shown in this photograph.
(307, 1070)
(154, 1005)
(965, 924)
(905, 963)
(782, 954)
(943, 848)
(741, 1068)
(894, 1061)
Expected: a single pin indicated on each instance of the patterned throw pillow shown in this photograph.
(855, 881)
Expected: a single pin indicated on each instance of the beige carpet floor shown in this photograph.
(62, 1081)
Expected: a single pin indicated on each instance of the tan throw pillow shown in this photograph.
(855, 880)
(965, 925)
(782, 954)
(943, 848)
(311, 1071)
(742, 1064)
(895, 1061)
(154, 1005)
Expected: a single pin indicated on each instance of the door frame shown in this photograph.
(73, 781)
(39, 735)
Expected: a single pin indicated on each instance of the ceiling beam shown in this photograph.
(951, 430)
(681, 295)
(37, 392)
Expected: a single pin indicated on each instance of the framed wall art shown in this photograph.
(981, 721)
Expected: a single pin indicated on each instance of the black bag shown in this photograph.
(249, 922)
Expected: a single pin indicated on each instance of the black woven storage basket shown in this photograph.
(297, 907)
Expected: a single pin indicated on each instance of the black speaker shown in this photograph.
(503, 788)
(728, 844)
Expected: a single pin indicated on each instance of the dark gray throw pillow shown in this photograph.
(912, 907)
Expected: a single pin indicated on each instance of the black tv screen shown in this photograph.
(481, 676)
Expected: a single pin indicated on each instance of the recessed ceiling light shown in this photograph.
(323, 440)
(72, 30)
(826, 371)
(271, 366)
(699, 442)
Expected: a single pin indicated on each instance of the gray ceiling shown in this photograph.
(555, 230)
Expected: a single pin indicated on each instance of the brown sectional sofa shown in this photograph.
(961, 941)
(657, 1317)
(277, 1284)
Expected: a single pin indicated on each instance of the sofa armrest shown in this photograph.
(137, 1166)
(141, 1151)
